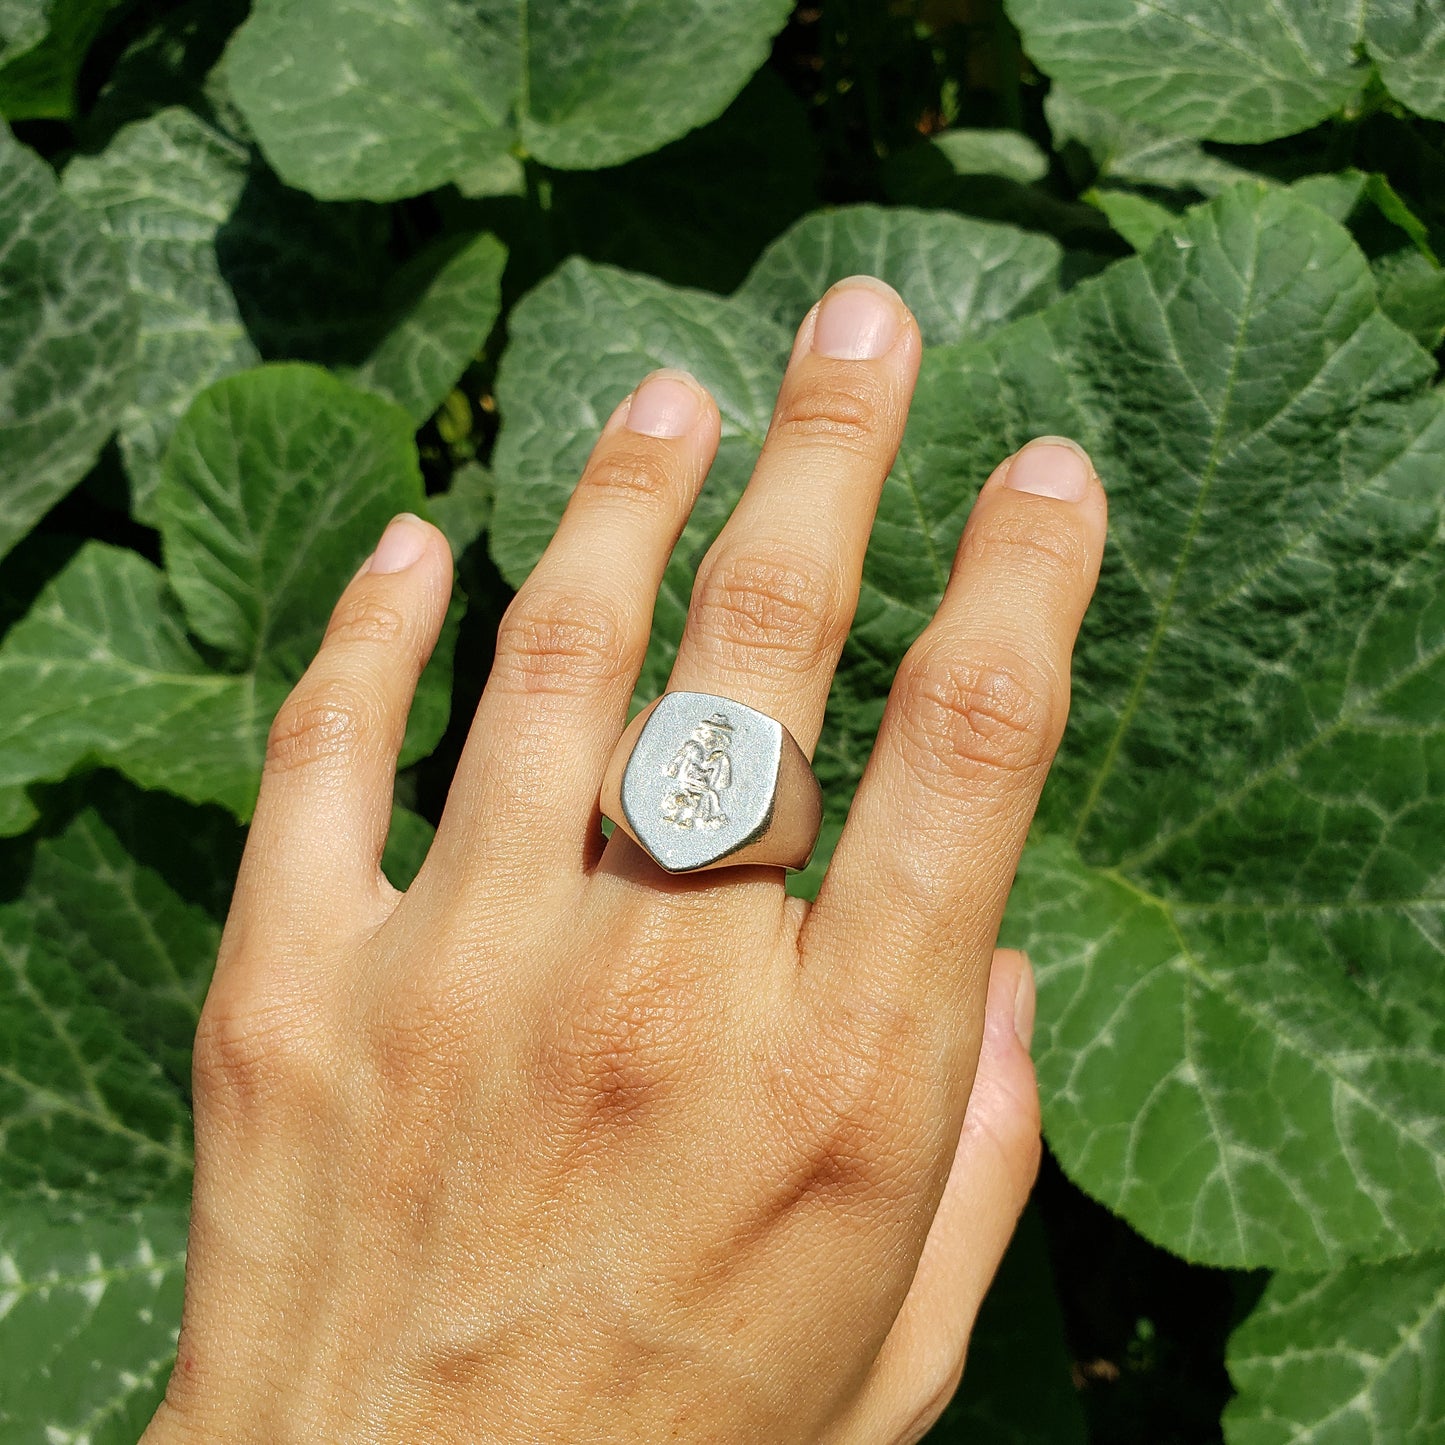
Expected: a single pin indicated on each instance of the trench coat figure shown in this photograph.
(703, 771)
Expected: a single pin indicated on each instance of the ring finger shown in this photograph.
(571, 643)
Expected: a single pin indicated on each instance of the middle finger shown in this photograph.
(776, 593)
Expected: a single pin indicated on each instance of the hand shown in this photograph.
(557, 1146)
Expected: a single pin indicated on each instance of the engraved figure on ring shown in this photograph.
(703, 771)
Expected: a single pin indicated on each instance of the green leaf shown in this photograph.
(1222, 71)
(102, 670)
(1393, 206)
(141, 949)
(1232, 911)
(1236, 72)
(270, 482)
(42, 45)
(961, 277)
(1412, 294)
(67, 341)
(90, 1307)
(1337, 193)
(82, 1109)
(993, 153)
(1407, 41)
(1137, 219)
(1356, 1357)
(1234, 896)
(407, 843)
(230, 268)
(437, 312)
(278, 485)
(464, 510)
(329, 86)
(163, 189)
(1135, 152)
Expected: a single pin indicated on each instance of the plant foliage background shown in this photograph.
(270, 272)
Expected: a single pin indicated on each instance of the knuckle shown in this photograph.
(1041, 547)
(616, 1054)
(320, 721)
(249, 1055)
(773, 601)
(419, 1043)
(631, 475)
(860, 1080)
(365, 619)
(976, 721)
(557, 640)
(815, 408)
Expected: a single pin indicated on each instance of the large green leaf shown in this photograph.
(1412, 293)
(961, 277)
(140, 947)
(67, 340)
(1406, 39)
(1134, 152)
(329, 87)
(1232, 902)
(89, 1310)
(102, 670)
(163, 189)
(270, 483)
(82, 1109)
(1233, 898)
(1236, 72)
(280, 481)
(230, 267)
(1351, 1358)
(1136, 218)
(42, 45)
(106, 949)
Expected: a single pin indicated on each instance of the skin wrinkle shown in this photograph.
(561, 1146)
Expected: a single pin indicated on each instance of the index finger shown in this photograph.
(926, 859)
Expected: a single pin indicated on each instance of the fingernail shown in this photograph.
(1051, 467)
(401, 544)
(859, 320)
(1025, 1003)
(667, 404)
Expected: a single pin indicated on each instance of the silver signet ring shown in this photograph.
(701, 781)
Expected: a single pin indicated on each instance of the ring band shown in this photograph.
(700, 781)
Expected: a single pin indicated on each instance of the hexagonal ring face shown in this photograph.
(702, 779)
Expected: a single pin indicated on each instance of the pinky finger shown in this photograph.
(922, 1360)
(314, 848)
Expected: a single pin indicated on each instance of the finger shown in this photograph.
(571, 644)
(315, 842)
(918, 1368)
(928, 853)
(776, 593)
